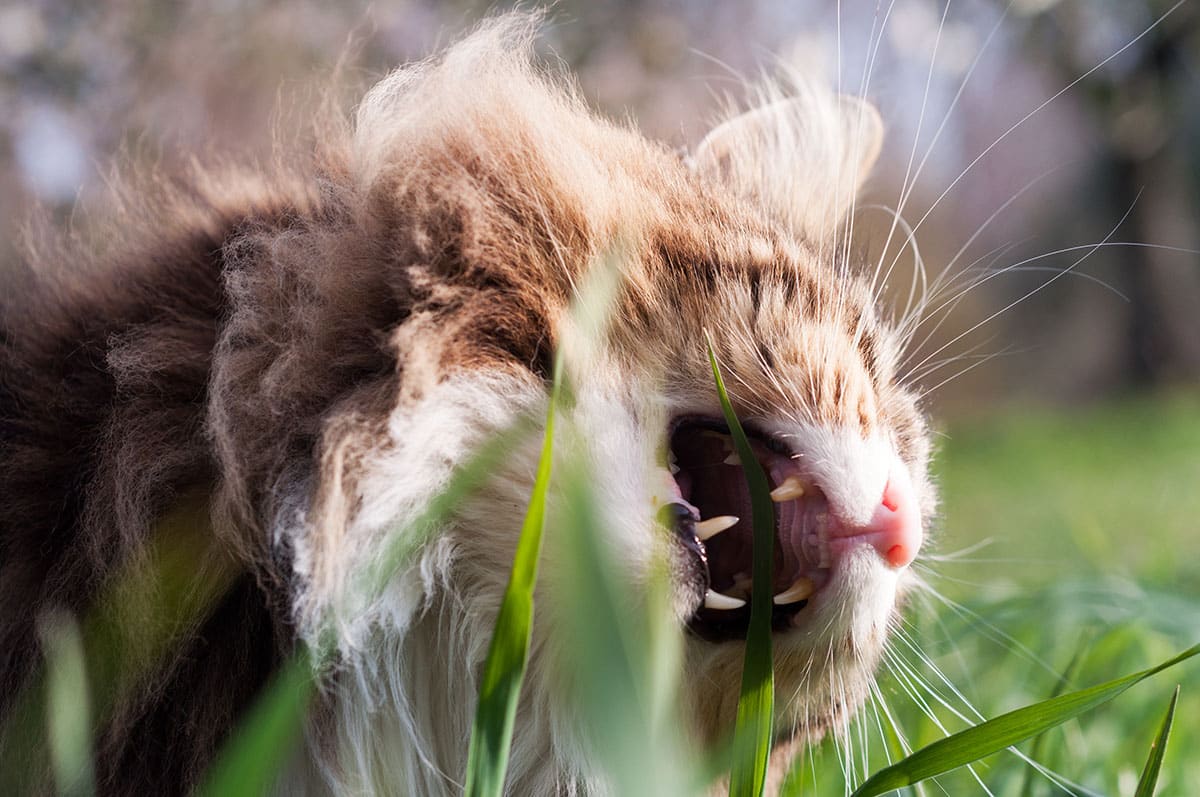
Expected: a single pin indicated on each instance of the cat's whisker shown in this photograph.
(909, 682)
(905, 674)
(873, 44)
(987, 223)
(1090, 250)
(1021, 122)
(1054, 777)
(942, 314)
(991, 631)
(943, 311)
(962, 86)
(908, 186)
(919, 271)
(1023, 265)
(962, 554)
(949, 268)
(876, 281)
(879, 711)
(976, 360)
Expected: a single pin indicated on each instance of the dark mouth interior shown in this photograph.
(712, 484)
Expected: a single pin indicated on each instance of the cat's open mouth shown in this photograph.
(712, 518)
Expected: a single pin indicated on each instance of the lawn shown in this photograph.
(1067, 553)
(1063, 536)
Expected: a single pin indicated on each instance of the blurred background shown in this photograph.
(1048, 150)
(1109, 153)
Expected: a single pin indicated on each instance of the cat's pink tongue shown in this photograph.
(815, 531)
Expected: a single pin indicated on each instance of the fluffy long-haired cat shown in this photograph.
(297, 358)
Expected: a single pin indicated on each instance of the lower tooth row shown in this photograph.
(711, 527)
(801, 590)
(717, 600)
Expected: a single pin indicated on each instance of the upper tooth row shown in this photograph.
(789, 489)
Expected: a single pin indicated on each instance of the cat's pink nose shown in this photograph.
(894, 530)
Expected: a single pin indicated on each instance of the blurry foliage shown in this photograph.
(161, 81)
(1147, 166)
(138, 625)
(1067, 555)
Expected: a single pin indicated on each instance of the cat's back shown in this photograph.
(106, 351)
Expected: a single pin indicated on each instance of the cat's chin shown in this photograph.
(825, 661)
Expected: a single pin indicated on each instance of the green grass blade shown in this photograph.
(508, 653)
(251, 759)
(613, 648)
(1061, 685)
(756, 703)
(1149, 779)
(68, 706)
(173, 584)
(248, 755)
(996, 734)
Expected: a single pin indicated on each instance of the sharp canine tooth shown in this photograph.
(706, 529)
(715, 600)
(673, 468)
(789, 490)
(795, 593)
(732, 459)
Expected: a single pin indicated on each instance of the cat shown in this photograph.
(301, 355)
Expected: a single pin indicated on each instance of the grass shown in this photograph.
(1093, 566)
(508, 655)
(1092, 573)
(1108, 490)
(994, 735)
(1149, 778)
(756, 703)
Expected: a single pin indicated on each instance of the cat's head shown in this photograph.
(496, 193)
(751, 249)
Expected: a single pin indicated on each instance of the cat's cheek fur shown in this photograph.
(402, 700)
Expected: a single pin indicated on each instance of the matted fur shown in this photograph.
(316, 348)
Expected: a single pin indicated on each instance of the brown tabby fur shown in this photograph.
(245, 330)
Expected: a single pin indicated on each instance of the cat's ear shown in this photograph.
(805, 156)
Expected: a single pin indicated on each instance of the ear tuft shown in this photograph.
(803, 156)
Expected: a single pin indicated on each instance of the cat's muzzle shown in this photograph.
(710, 517)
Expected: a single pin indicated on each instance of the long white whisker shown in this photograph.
(1024, 265)
(1054, 777)
(970, 166)
(995, 634)
(876, 282)
(942, 313)
(908, 187)
(928, 391)
(873, 44)
(903, 674)
(1046, 284)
